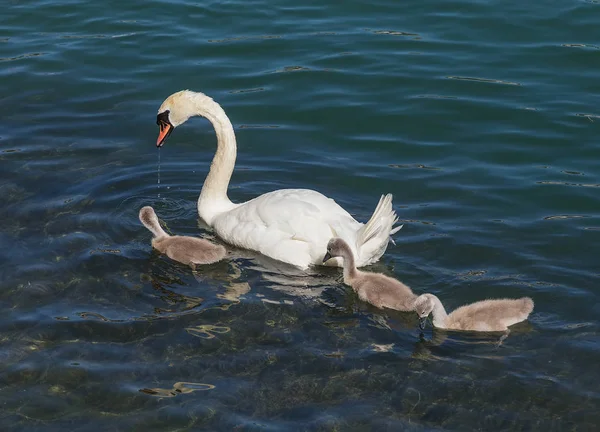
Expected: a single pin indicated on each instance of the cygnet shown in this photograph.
(486, 315)
(380, 290)
(184, 249)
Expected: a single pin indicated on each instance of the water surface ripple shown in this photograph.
(482, 119)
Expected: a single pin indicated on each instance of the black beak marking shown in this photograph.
(327, 257)
(422, 322)
(163, 117)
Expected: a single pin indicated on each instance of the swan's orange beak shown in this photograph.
(163, 134)
(163, 122)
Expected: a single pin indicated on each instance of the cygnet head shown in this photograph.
(176, 110)
(337, 248)
(149, 218)
(424, 305)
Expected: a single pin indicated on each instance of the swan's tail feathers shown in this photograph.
(373, 237)
(394, 231)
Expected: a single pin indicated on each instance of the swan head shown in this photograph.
(336, 247)
(174, 111)
(423, 306)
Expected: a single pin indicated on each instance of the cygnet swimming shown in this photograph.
(486, 315)
(184, 249)
(380, 290)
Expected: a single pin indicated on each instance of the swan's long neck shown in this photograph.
(439, 313)
(213, 198)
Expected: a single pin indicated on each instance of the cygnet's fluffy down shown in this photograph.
(380, 290)
(184, 249)
(486, 315)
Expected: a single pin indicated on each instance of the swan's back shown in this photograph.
(290, 225)
(383, 291)
(490, 315)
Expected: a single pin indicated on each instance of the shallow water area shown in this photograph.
(481, 118)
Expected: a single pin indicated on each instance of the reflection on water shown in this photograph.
(484, 80)
(178, 388)
(207, 331)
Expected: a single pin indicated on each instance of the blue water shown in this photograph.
(482, 118)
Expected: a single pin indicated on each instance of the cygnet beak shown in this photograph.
(422, 322)
(327, 257)
(163, 122)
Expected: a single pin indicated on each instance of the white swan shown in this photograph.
(289, 225)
